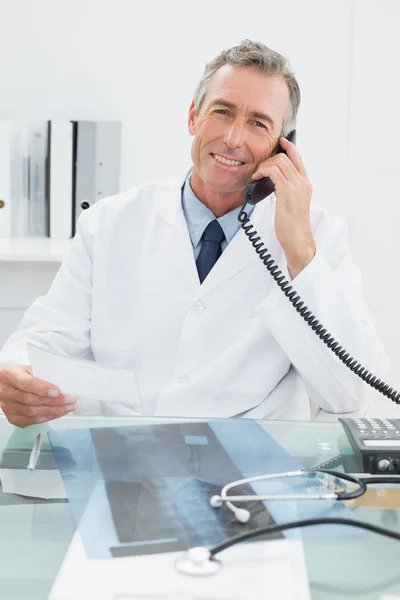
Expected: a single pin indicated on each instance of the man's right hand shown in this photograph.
(26, 400)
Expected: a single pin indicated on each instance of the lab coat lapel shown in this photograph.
(179, 246)
(182, 255)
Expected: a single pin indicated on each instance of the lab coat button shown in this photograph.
(198, 307)
(182, 378)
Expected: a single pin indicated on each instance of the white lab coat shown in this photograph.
(128, 296)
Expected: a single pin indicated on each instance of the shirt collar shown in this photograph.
(198, 216)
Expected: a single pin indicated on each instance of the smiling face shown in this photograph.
(237, 128)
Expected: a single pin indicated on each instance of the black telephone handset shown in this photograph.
(255, 192)
(258, 190)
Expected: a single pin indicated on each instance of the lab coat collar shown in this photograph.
(171, 202)
(237, 255)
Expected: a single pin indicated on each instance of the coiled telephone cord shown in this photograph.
(308, 316)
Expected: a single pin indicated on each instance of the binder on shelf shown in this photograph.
(97, 165)
(50, 171)
(19, 142)
(61, 178)
(37, 187)
(28, 142)
(5, 179)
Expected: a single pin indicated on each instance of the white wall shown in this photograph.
(139, 63)
(373, 168)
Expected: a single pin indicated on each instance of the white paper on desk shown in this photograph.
(39, 483)
(85, 379)
(274, 569)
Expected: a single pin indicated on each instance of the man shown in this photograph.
(161, 280)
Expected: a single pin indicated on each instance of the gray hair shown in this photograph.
(264, 60)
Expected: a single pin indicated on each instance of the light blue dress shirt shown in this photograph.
(198, 216)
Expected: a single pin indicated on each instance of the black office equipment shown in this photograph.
(376, 443)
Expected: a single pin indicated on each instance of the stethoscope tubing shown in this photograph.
(337, 495)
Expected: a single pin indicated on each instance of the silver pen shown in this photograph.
(33, 458)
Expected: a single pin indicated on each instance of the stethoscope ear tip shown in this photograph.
(242, 515)
(216, 501)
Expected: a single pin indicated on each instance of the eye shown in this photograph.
(259, 124)
(221, 111)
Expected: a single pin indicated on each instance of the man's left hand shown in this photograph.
(293, 192)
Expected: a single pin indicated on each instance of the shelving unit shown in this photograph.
(28, 266)
(33, 249)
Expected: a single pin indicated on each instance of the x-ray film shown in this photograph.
(146, 489)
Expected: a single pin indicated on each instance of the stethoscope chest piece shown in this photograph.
(197, 561)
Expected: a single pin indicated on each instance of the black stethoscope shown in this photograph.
(243, 515)
(202, 561)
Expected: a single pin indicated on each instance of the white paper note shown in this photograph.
(274, 569)
(46, 484)
(85, 379)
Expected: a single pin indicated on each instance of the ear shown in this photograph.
(192, 119)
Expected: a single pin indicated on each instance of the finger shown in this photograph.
(294, 155)
(20, 378)
(50, 412)
(264, 169)
(283, 163)
(10, 395)
(286, 166)
(274, 173)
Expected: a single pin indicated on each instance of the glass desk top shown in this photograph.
(35, 534)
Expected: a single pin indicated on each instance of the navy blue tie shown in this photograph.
(210, 249)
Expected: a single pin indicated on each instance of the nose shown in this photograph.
(234, 134)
